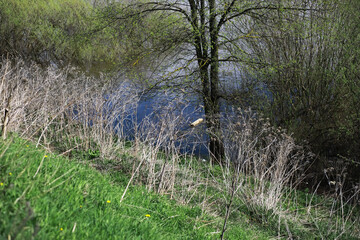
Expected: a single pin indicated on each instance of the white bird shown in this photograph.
(197, 122)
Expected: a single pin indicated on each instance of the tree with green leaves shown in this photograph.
(207, 38)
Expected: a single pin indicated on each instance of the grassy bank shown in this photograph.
(45, 196)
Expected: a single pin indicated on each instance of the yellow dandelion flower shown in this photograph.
(61, 229)
(1, 184)
(147, 215)
(108, 201)
(27, 145)
(46, 156)
(10, 173)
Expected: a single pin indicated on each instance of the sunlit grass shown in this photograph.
(50, 197)
(69, 200)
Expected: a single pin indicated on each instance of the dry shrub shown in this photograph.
(64, 108)
(159, 139)
(260, 161)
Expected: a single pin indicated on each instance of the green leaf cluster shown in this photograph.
(52, 31)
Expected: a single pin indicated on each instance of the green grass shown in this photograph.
(45, 196)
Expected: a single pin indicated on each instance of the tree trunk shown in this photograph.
(216, 144)
(209, 72)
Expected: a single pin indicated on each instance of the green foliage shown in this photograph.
(60, 32)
